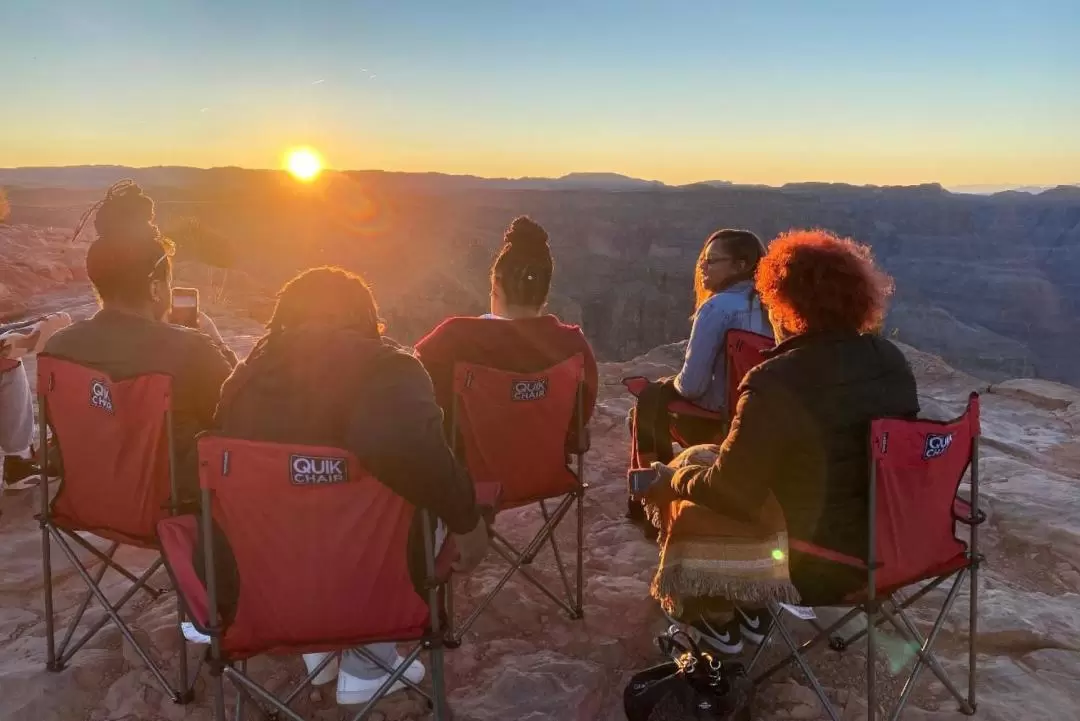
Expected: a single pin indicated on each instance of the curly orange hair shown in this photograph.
(813, 280)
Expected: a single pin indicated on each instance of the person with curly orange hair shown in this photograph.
(803, 415)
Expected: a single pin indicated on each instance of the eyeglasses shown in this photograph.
(709, 262)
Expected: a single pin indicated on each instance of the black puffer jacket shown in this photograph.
(801, 430)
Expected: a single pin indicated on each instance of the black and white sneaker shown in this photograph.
(726, 639)
(754, 624)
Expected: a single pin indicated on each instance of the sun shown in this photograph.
(304, 164)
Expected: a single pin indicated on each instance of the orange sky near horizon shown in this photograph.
(674, 165)
(960, 93)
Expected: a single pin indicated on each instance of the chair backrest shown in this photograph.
(916, 469)
(742, 351)
(514, 427)
(320, 547)
(115, 449)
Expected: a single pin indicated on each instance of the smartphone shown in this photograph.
(641, 479)
(185, 307)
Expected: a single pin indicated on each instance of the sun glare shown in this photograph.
(304, 164)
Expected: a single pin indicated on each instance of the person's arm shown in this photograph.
(211, 365)
(706, 341)
(434, 353)
(739, 481)
(209, 328)
(397, 432)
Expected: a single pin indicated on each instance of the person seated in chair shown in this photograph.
(517, 335)
(803, 416)
(16, 399)
(724, 299)
(130, 267)
(16, 421)
(324, 375)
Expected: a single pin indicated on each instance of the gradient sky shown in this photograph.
(873, 91)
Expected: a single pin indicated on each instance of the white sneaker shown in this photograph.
(192, 634)
(352, 690)
(329, 671)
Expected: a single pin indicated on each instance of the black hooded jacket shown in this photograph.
(333, 387)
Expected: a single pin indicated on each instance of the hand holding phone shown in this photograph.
(185, 307)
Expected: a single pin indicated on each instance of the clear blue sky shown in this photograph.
(955, 91)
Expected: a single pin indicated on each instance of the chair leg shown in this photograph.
(579, 606)
(559, 563)
(85, 602)
(50, 622)
(438, 683)
(924, 655)
(871, 666)
(803, 665)
(239, 708)
(973, 632)
(100, 623)
(114, 616)
(396, 676)
(219, 697)
(186, 689)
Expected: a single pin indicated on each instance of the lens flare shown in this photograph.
(304, 164)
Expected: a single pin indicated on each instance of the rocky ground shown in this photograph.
(523, 660)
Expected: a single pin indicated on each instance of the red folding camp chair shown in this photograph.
(742, 351)
(320, 548)
(915, 471)
(517, 431)
(118, 481)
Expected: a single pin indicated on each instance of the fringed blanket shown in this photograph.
(707, 558)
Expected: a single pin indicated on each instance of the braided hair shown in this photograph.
(328, 296)
(523, 267)
(129, 251)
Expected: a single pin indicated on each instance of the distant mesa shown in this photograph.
(87, 177)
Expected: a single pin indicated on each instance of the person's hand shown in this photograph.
(471, 547)
(207, 325)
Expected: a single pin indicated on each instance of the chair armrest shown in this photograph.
(962, 513)
(827, 554)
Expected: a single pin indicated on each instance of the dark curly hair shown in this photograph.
(813, 280)
(327, 296)
(523, 267)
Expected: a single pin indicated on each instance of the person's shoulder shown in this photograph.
(892, 357)
(573, 334)
(720, 305)
(393, 363)
(446, 332)
(62, 338)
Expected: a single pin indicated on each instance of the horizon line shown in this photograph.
(1001, 187)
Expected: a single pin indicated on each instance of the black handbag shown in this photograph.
(694, 686)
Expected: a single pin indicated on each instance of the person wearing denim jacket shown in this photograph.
(726, 299)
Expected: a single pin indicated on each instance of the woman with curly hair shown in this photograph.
(803, 415)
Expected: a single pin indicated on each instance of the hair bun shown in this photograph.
(526, 234)
(126, 214)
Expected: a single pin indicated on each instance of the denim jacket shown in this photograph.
(702, 378)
